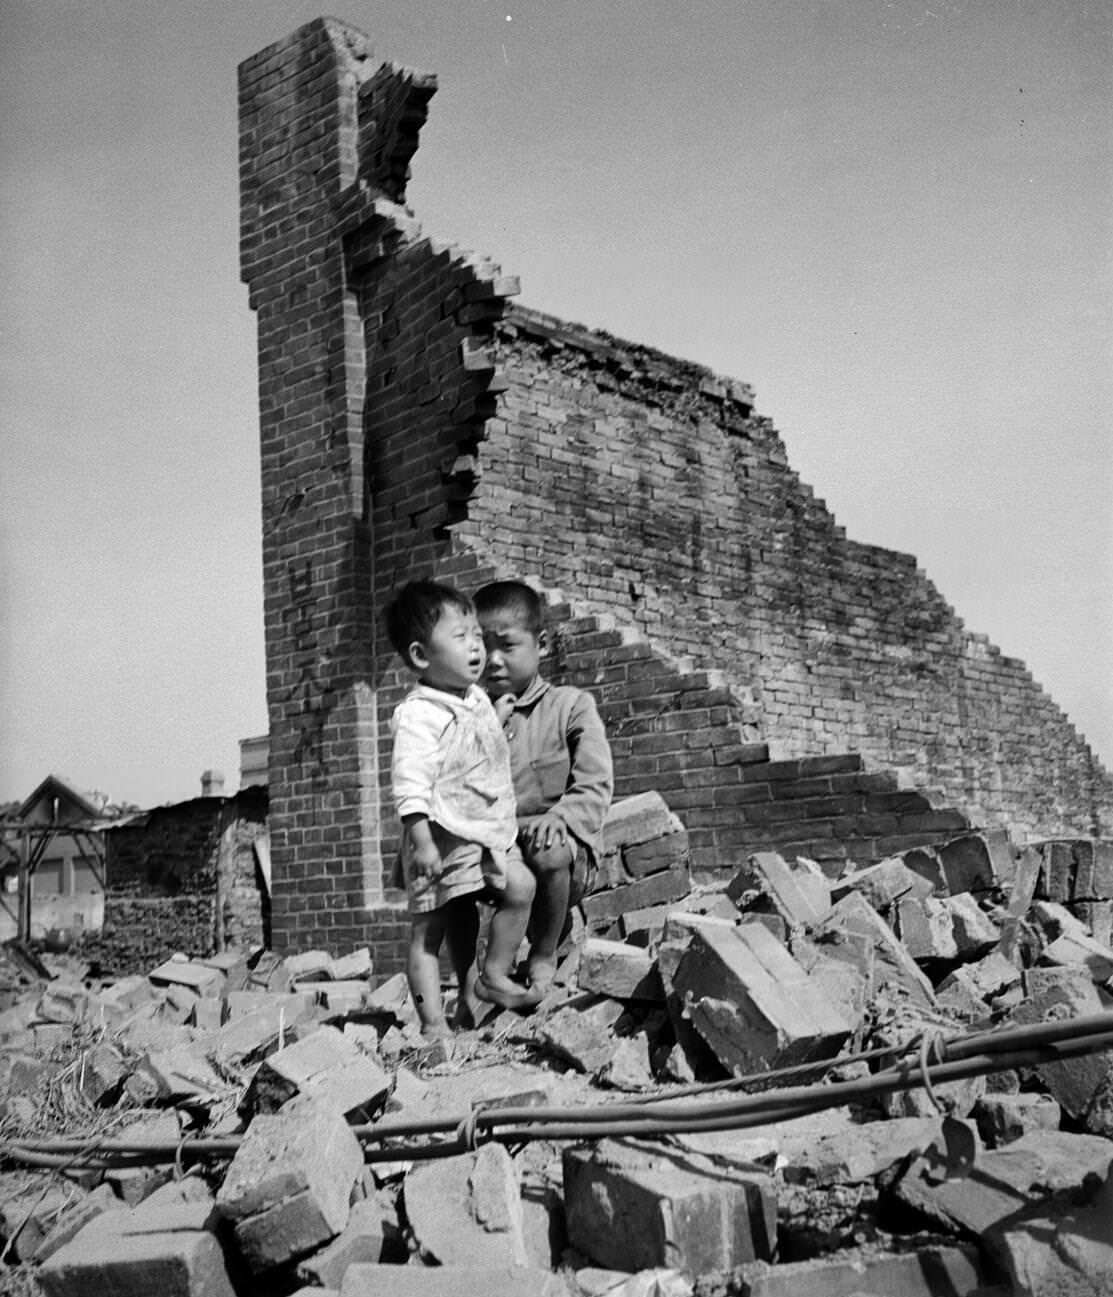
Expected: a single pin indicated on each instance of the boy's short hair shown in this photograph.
(416, 609)
(513, 597)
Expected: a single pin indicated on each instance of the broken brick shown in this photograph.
(632, 1205)
(753, 1003)
(622, 971)
(286, 1191)
(169, 1251)
(467, 1210)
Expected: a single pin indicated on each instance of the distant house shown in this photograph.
(190, 876)
(57, 832)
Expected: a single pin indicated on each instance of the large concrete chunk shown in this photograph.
(753, 1003)
(1004, 1181)
(450, 1281)
(637, 819)
(1063, 1249)
(927, 1272)
(168, 1252)
(325, 1065)
(633, 1206)
(883, 884)
(799, 895)
(288, 1186)
(1075, 1083)
(467, 1210)
(622, 971)
(892, 965)
(862, 1152)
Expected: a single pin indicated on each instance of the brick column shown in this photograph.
(298, 158)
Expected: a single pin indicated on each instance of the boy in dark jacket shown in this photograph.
(560, 760)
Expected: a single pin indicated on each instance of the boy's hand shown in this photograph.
(504, 707)
(425, 857)
(546, 831)
(423, 853)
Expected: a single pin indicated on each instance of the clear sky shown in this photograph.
(894, 219)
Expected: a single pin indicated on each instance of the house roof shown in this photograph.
(58, 786)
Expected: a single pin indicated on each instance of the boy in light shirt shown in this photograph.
(451, 781)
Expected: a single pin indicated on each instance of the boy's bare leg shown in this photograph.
(423, 972)
(552, 867)
(461, 933)
(508, 927)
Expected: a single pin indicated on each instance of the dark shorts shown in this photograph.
(583, 868)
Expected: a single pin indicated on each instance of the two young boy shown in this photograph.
(501, 790)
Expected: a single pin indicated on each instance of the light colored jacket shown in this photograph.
(451, 763)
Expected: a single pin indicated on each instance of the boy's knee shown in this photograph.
(548, 860)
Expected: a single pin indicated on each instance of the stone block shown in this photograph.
(184, 1074)
(360, 1241)
(883, 884)
(133, 1184)
(602, 908)
(325, 1065)
(1081, 949)
(988, 976)
(892, 965)
(1063, 1248)
(622, 971)
(353, 966)
(309, 966)
(169, 1251)
(199, 978)
(1098, 917)
(467, 1210)
(258, 1031)
(27, 1216)
(1057, 871)
(862, 1152)
(977, 862)
(581, 1034)
(338, 998)
(103, 1070)
(925, 928)
(1004, 1118)
(71, 1220)
(1005, 1180)
(1073, 1082)
(974, 932)
(288, 1186)
(628, 1067)
(657, 854)
(927, 1272)
(633, 820)
(646, 926)
(799, 895)
(66, 1002)
(633, 1205)
(753, 1003)
(450, 1281)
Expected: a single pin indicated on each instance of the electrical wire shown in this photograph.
(397, 1140)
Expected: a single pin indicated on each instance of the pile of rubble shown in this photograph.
(249, 1124)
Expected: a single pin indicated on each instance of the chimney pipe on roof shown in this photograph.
(212, 783)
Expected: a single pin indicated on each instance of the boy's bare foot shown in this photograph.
(505, 993)
(542, 974)
(436, 1031)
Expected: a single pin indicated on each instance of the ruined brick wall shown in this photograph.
(767, 675)
(646, 486)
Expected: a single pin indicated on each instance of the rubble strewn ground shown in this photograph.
(313, 1093)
